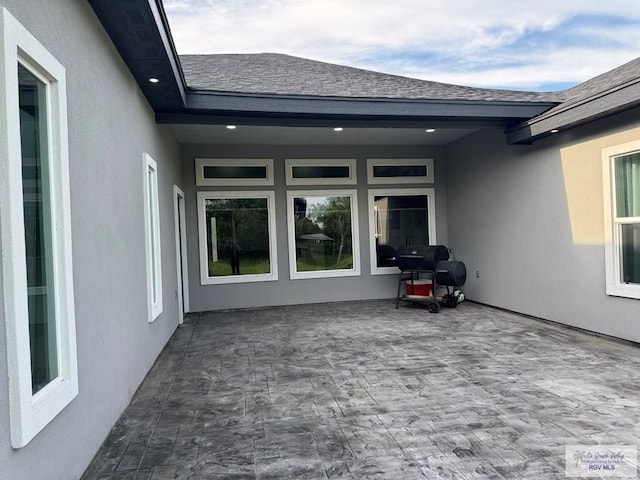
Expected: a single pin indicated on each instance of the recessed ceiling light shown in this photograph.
(231, 127)
(430, 130)
(154, 80)
(338, 129)
(555, 130)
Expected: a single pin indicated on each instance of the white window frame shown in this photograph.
(431, 224)
(182, 266)
(152, 237)
(290, 163)
(201, 181)
(205, 279)
(612, 225)
(30, 413)
(291, 227)
(429, 177)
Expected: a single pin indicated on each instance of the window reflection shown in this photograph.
(399, 220)
(237, 236)
(323, 233)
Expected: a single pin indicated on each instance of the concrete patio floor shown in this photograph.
(364, 391)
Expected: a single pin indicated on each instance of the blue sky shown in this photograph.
(540, 45)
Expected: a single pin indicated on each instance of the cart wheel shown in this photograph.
(434, 307)
(450, 301)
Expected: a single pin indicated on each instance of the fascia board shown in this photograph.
(278, 105)
(596, 107)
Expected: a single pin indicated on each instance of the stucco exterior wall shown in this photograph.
(529, 220)
(286, 291)
(110, 126)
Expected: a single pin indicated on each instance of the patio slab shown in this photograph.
(364, 391)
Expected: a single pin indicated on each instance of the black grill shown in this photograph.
(433, 262)
(451, 274)
(421, 257)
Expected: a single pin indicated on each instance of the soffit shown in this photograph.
(140, 32)
(272, 135)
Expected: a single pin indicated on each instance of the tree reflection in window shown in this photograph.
(237, 236)
(323, 233)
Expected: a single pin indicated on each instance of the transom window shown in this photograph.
(621, 173)
(323, 234)
(237, 171)
(400, 170)
(237, 237)
(321, 171)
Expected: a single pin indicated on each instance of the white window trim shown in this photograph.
(313, 162)
(613, 255)
(431, 227)
(398, 162)
(205, 279)
(30, 413)
(152, 237)
(201, 181)
(293, 273)
(182, 266)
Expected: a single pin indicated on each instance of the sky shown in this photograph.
(538, 45)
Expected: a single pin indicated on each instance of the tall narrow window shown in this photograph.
(237, 237)
(152, 233)
(621, 173)
(35, 231)
(323, 234)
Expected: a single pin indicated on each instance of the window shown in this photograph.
(396, 218)
(221, 172)
(237, 237)
(621, 174)
(323, 234)
(321, 172)
(400, 170)
(152, 236)
(35, 231)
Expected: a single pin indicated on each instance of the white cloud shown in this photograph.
(418, 37)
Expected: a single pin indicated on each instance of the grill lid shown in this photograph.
(421, 257)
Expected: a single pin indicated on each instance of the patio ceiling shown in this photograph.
(274, 135)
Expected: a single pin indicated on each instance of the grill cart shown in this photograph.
(431, 262)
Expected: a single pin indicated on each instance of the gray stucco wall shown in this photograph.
(110, 126)
(286, 291)
(529, 220)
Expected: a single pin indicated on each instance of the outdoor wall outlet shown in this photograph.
(477, 273)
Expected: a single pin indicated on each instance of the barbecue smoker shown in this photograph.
(432, 262)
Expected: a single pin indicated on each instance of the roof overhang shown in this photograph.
(140, 31)
(573, 114)
(277, 110)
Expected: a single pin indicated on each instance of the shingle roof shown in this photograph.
(618, 77)
(277, 74)
(611, 92)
